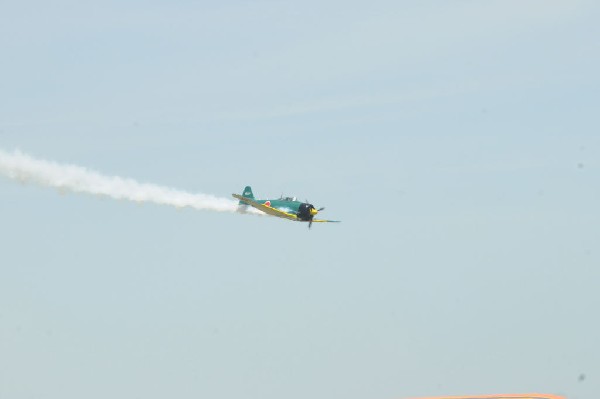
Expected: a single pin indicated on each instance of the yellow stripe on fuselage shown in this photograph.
(266, 209)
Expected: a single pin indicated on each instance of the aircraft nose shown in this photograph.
(313, 211)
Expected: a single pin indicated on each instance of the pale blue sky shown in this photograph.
(457, 141)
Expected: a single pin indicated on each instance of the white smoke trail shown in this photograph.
(22, 167)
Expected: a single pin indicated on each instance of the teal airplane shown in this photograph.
(283, 207)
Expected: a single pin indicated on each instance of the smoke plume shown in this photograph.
(27, 169)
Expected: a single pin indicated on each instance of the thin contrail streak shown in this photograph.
(27, 169)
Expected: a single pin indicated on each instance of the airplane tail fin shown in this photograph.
(247, 194)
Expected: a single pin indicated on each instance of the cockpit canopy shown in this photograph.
(288, 198)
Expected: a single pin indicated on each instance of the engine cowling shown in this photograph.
(306, 211)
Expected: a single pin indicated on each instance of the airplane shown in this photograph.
(283, 207)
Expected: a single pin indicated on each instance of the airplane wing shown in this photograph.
(325, 221)
(266, 209)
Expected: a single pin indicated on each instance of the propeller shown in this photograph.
(311, 206)
(313, 212)
(307, 212)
